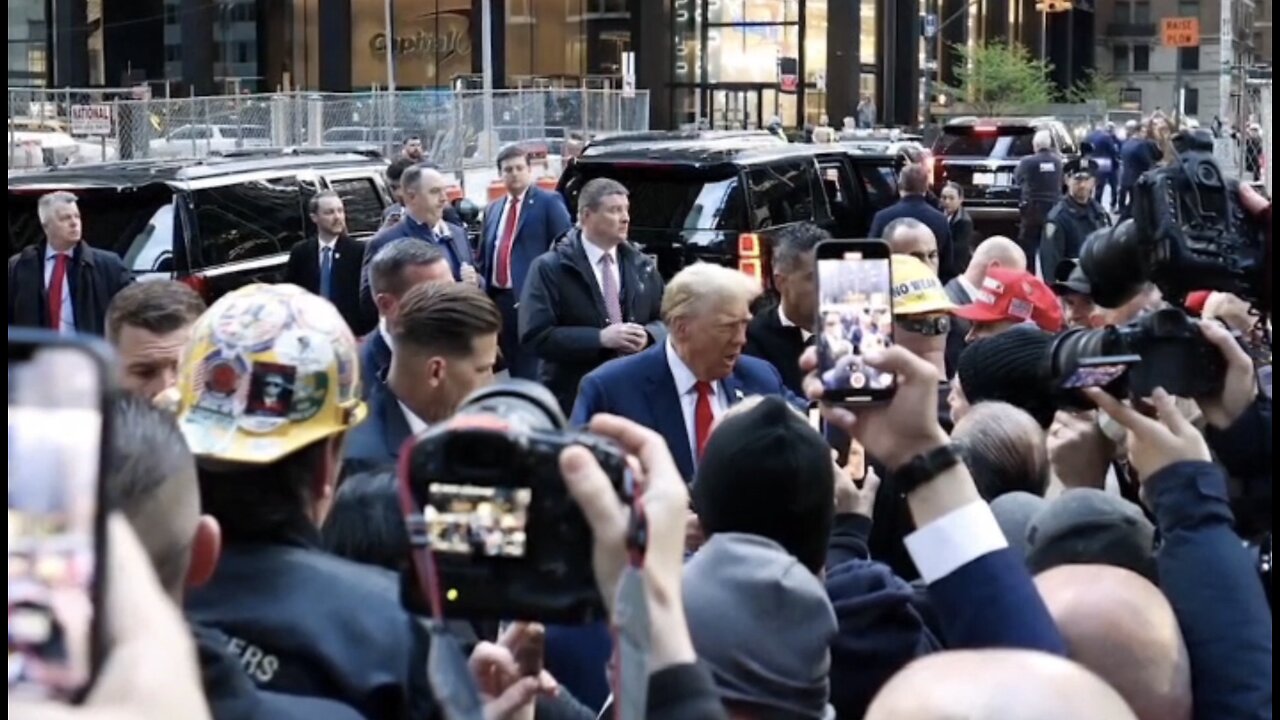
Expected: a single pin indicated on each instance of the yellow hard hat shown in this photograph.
(917, 289)
(269, 370)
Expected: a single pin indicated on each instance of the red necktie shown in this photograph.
(56, 281)
(703, 417)
(502, 274)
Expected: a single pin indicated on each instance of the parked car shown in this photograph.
(718, 201)
(191, 141)
(31, 149)
(216, 224)
(981, 155)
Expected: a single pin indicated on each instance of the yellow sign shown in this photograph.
(1180, 32)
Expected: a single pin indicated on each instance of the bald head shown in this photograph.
(997, 685)
(998, 251)
(1004, 448)
(1120, 626)
(908, 236)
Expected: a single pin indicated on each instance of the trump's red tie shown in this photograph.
(703, 417)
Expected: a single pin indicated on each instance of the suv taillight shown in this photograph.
(199, 283)
(749, 260)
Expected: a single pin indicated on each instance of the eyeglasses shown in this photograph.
(928, 326)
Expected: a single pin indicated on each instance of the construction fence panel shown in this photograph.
(1266, 136)
(452, 125)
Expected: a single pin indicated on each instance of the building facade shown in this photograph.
(1130, 49)
(727, 63)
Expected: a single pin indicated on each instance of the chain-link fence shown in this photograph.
(1265, 101)
(451, 124)
(42, 125)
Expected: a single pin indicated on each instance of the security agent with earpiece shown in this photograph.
(270, 386)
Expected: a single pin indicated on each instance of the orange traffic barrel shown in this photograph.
(496, 190)
(548, 183)
(454, 193)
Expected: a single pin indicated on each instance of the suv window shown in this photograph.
(363, 204)
(248, 220)
(670, 197)
(139, 226)
(995, 143)
(783, 193)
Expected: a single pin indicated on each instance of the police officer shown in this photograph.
(1071, 221)
(269, 387)
(1039, 175)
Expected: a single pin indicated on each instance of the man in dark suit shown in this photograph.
(1138, 154)
(1104, 161)
(518, 228)
(913, 184)
(393, 272)
(780, 333)
(425, 198)
(681, 386)
(329, 264)
(63, 284)
(446, 347)
(591, 298)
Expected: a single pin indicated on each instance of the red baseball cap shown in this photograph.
(1014, 295)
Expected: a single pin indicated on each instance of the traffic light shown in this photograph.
(1054, 6)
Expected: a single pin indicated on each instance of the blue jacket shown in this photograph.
(1137, 155)
(1103, 145)
(640, 388)
(456, 248)
(918, 208)
(375, 443)
(993, 603)
(1215, 591)
(375, 358)
(543, 219)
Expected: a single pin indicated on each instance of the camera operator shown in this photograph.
(1073, 219)
(269, 388)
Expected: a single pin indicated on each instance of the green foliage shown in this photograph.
(996, 78)
(1096, 86)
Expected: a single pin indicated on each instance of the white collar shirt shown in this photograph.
(687, 388)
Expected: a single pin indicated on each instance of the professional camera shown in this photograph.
(1189, 232)
(494, 530)
(1163, 349)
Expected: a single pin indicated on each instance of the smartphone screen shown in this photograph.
(1099, 372)
(855, 317)
(55, 529)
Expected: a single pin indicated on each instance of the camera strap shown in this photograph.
(450, 678)
(632, 625)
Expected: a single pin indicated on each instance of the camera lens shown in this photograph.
(1116, 264)
(1069, 353)
(522, 402)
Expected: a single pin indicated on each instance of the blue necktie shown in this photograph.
(326, 273)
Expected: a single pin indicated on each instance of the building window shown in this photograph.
(1142, 58)
(1191, 101)
(1124, 11)
(1189, 58)
(1141, 12)
(1131, 97)
(1120, 58)
(1189, 8)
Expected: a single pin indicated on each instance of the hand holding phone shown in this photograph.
(855, 319)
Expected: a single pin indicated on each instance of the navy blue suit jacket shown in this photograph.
(918, 208)
(456, 248)
(543, 219)
(641, 388)
(375, 443)
(1137, 156)
(375, 358)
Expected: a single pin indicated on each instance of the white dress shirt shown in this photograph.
(786, 323)
(385, 332)
(687, 388)
(68, 317)
(507, 207)
(595, 256)
(417, 425)
(955, 540)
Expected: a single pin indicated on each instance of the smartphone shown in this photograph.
(58, 389)
(1099, 372)
(855, 317)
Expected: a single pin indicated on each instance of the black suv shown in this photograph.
(217, 224)
(718, 200)
(981, 154)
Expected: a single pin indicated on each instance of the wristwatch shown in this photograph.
(924, 467)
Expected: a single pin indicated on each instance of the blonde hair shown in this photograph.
(699, 285)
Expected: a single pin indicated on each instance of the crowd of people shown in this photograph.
(979, 547)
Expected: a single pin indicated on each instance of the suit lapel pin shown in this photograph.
(739, 395)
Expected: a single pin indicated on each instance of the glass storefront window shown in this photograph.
(28, 45)
(867, 27)
(432, 43)
(736, 12)
(749, 54)
(565, 39)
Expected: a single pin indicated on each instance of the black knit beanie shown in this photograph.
(767, 472)
(1011, 367)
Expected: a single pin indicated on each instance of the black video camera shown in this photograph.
(1163, 349)
(1189, 232)
(495, 534)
